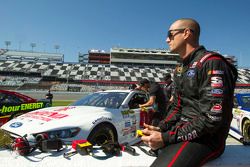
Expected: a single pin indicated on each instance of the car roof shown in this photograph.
(121, 90)
(17, 94)
(242, 94)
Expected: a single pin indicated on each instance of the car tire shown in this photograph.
(246, 131)
(102, 134)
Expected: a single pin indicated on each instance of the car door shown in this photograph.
(9, 105)
(235, 124)
(130, 113)
(141, 115)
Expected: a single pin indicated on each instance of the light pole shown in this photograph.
(7, 43)
(56, 47)
(33, 45)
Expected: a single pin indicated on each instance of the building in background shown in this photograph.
(129, 56)
(83, 58)
(94, 57)
(27, 56)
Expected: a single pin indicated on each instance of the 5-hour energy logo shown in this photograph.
(22, 107)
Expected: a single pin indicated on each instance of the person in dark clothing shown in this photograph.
(197, 124)
(132, 86)
(157, 99)
(49, 96)
(168, 88)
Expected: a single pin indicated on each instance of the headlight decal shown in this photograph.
(63, 133)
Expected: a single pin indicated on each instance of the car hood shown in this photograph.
(54, 118)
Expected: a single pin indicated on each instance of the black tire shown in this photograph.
(246, 131)
(101, 134)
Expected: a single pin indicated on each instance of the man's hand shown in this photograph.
(152, 137)
(151, 127)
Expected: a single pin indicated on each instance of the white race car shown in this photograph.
(240, 125)
(101, 116)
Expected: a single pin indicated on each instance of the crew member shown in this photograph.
(49, 96)
(168, 88)
(157, 99)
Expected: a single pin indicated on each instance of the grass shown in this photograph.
(62, 102)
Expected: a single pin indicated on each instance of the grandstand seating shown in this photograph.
(87, 71)
(78, 72)
(244, 76)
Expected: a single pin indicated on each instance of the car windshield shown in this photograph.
(102, 99)
(245, 101)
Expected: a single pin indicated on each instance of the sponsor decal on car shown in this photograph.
(16, 124)
(127, 113)
(127, 124)
(44, 115)
(129, 130)
(101, 119)
(65, 108)
(21, 107)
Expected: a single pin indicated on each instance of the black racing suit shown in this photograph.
(160, 102)
(198, 121)
(168, 91)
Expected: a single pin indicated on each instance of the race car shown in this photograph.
(112, 115)
(240, 125)
(13, 104)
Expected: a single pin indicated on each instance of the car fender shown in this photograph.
(245, 116)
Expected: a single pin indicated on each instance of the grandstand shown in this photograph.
(18, 74)
(14, 55)
(80, 73)
(156, 57)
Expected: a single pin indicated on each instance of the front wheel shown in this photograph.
(246, 131)
(101, 134)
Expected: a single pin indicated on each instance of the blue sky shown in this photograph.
(80, 25)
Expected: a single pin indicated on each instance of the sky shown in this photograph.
(80, 25)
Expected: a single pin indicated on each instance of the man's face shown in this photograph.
(175, 37)
(145, 87)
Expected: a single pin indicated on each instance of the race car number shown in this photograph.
(45, 116)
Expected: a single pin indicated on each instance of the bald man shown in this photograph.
(197, 124)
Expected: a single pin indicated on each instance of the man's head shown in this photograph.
(144, 84)
(183, 36)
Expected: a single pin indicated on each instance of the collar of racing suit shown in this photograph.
(193, 54)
